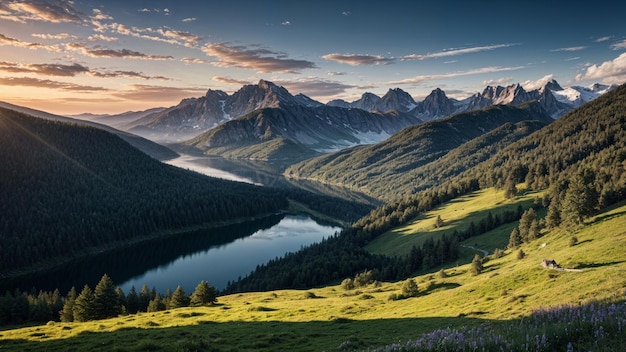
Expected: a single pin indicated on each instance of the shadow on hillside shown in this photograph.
(247, 336)
(596, 265)
(601, 218)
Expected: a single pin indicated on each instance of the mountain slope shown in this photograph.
(194, 116)
(155, 150)
(393, 168)
(67, 189)
(298, 132)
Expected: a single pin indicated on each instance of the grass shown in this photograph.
(457, 215)
(507, 291)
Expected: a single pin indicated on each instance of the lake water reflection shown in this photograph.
(221, 263)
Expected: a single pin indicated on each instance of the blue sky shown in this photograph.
(112, 56)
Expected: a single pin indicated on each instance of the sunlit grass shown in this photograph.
(329, 317)
(456, 215)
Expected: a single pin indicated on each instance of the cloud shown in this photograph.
(190, 60)
(315, 87)
(357, 59)
(541, 82)
(479, 71)
(99, 51)
(189, 19)
(228, 80)
(60, 70)
(46, 83)
(165, 35)
(254, 58)
(346, 13)
(337, 73)
(455, 52)
(60, 11)
(286, 23)
(97, 14)
(619, 46)
(158, 94)
(603, 39)
(44, 69)
(610, 72)
(101, 37)
(127, 74)
(504, 81)
(573, 48)
(4, 40)
(60, 36)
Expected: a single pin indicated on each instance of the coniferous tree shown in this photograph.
(67, 313)
(105, 302)
(514, 239)
(203, 295)
(132, 301)
(581, 198)
(179, 299)
(156, 304)
(83, 309)
(144, 298)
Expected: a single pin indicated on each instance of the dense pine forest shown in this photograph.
(66, 189)
(579, 159)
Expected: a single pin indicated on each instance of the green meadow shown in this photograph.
(332, 318)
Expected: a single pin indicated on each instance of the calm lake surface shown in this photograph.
(221, 263)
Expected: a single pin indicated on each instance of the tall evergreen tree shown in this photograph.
(514, 239)
(204, 294)
(83, 309)
(144, 298)
(179, 298)
(132, 301)
(67, 313)
(581, 198)
(105, 302)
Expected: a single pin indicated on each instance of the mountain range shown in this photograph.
(265, 121)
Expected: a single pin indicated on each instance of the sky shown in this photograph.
(109, 56)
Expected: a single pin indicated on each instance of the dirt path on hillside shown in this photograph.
(484, 252)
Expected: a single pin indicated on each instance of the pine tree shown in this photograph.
(514, 239)
(179, 299)
(525, 223)
(156, 304)
(132, 301)
(204, 294)
(581, 198)
(67, 313)
(83, 306)
(105, 302)
(144, 298)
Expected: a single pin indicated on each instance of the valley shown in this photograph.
(422, 206)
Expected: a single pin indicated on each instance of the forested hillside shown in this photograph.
(66, 189)
(579, 158)
(424, 155)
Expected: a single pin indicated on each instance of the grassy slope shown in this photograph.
(287, 320)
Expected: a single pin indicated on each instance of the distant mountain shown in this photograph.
(194, 116)
(416, 157)
(552, 97)
(297, 132)
(117, 120)
(155, 150)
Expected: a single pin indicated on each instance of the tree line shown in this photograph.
(104, 301)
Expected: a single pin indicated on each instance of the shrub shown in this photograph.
(347, 284)
(573, 241)
(442, 274)
(477, 265)
(394, 297)
(409, 288)
(498, 253)
(521, 254)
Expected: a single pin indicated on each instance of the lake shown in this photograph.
(216, 255)
(220, 263)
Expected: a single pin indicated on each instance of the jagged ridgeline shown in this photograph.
(424, 155)
(66, 189)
